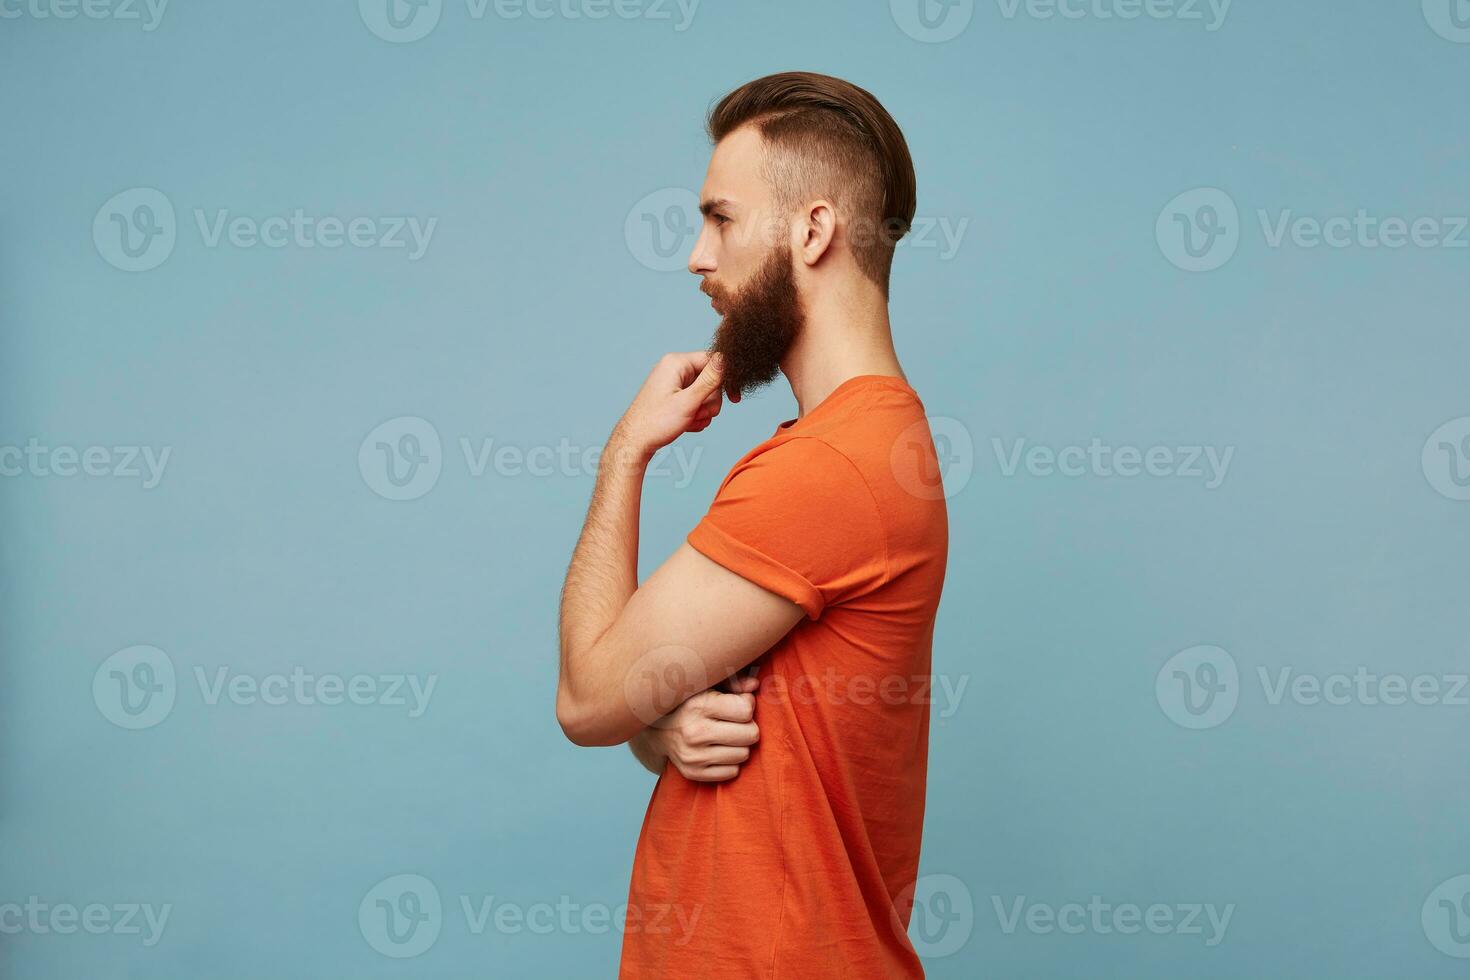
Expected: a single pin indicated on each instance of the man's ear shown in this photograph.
(816, 231)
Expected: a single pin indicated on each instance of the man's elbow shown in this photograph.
(572, 719)
(583, 723)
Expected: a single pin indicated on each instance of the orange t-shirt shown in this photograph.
(803, 865)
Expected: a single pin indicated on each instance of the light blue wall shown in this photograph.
(1050, 149)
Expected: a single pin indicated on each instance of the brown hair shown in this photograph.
(828, 136)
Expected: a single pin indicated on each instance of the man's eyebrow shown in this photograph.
(713, 204)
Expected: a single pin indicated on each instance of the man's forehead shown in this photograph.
(734, 175)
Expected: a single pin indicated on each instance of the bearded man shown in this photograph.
(784, 831)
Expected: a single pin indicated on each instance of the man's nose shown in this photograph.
(701, 262)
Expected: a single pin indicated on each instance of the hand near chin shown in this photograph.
(682, 394)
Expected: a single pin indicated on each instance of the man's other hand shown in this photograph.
(708, 737)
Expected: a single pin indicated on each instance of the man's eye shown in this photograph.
(720, 219)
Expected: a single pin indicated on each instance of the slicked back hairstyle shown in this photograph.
(827, 137)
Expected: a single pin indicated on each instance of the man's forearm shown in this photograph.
(648, 754)
(681, 394)
(603, 573)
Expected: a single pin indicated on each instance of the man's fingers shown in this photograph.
(683, 366)
(725, 755)
(711, 406)
(729, 733)
(708, 380)
(714, 774)
(738, 707)
(742, 684)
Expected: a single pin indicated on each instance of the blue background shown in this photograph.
(531, 320)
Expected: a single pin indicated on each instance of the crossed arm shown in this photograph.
(630, 654)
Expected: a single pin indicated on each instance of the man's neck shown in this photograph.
(844, 335)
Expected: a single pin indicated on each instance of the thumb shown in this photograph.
(708, 380)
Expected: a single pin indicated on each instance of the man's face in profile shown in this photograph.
(745, 258)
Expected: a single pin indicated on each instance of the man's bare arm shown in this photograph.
(603, 573)
(646, 751)
(631, 655)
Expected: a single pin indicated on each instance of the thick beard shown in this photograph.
(760, 321)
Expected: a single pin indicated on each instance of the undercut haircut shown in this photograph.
(825, 137)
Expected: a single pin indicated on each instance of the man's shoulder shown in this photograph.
(798, 463)
(870, 428)
(864, 450)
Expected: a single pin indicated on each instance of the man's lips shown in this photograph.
(713, 299)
